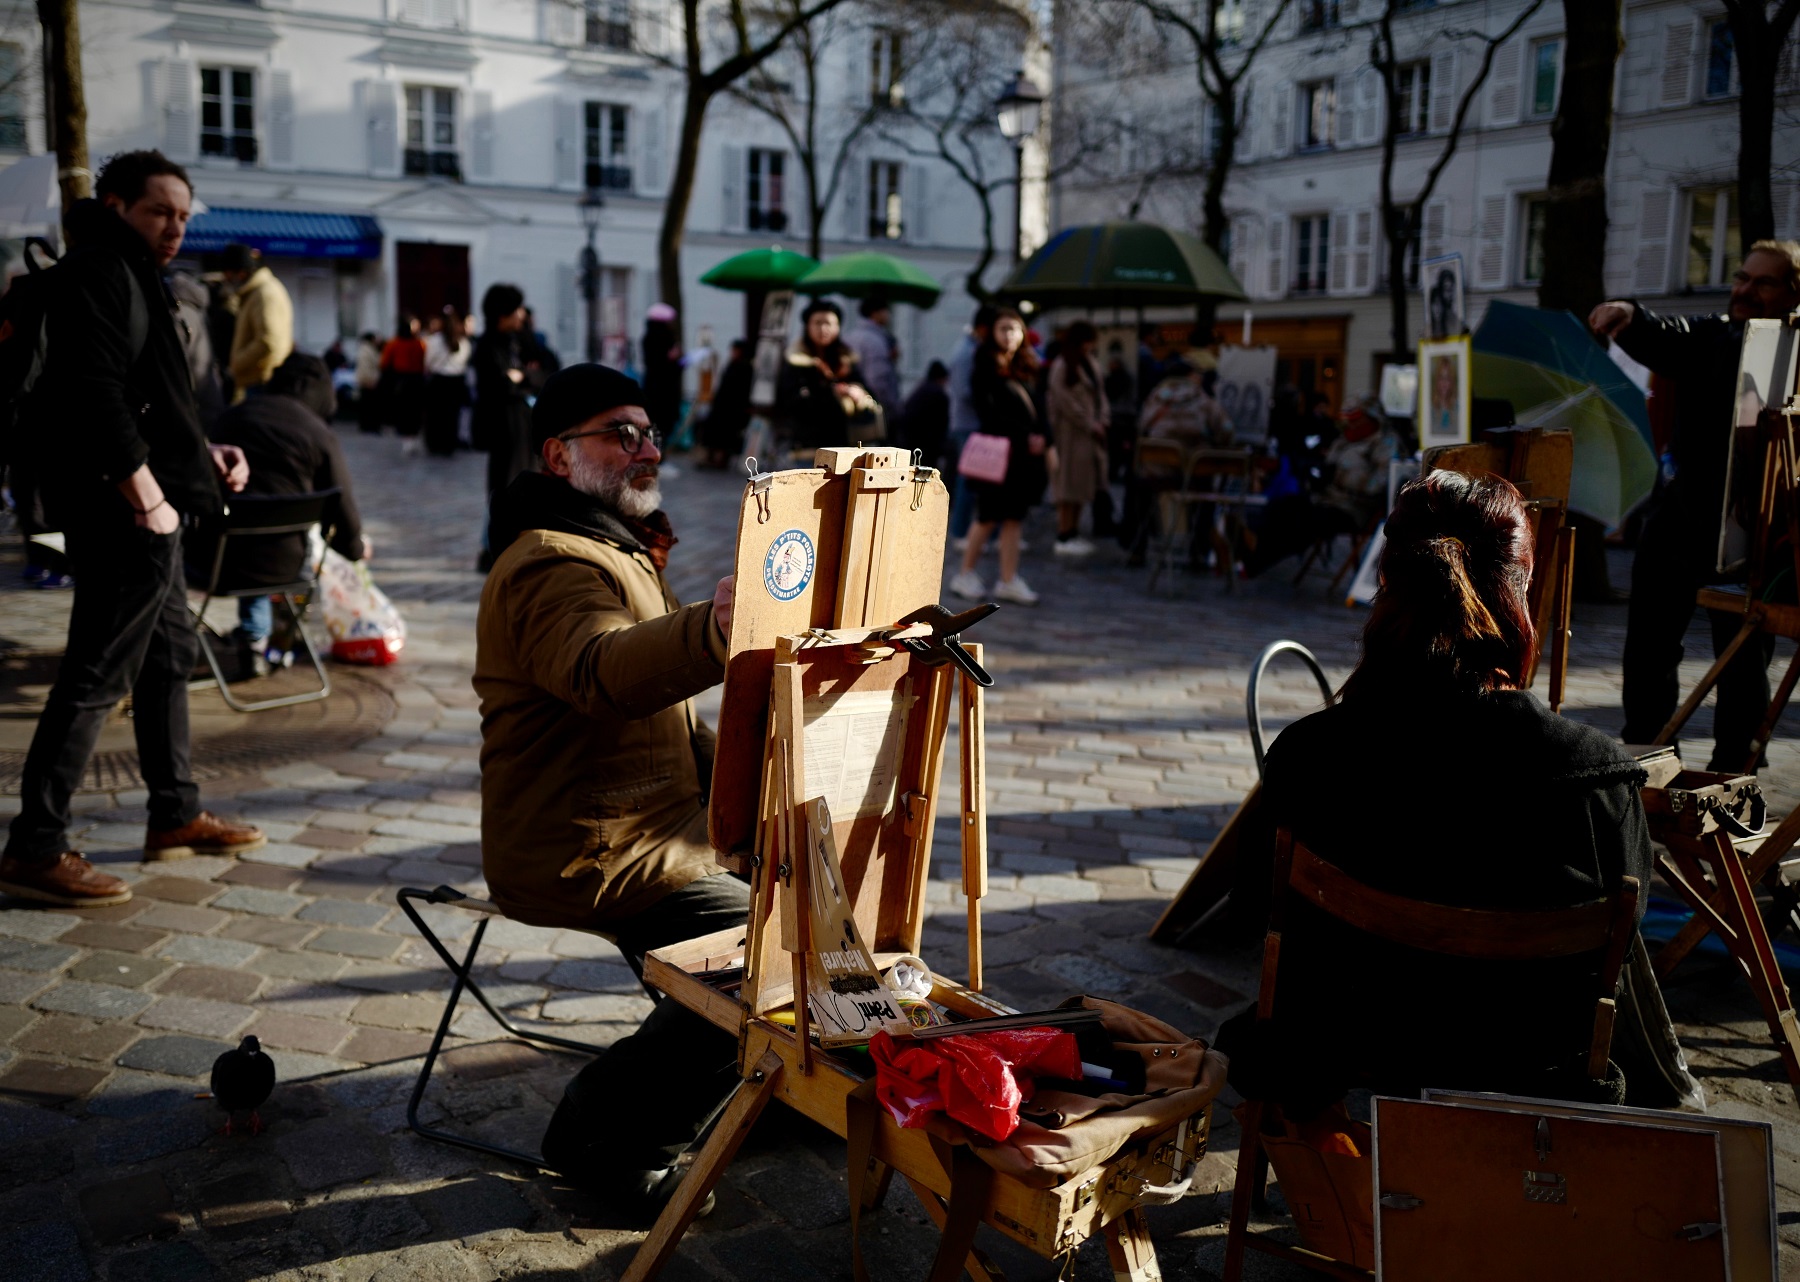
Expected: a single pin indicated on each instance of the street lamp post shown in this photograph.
(1020, 109)
(591, 205)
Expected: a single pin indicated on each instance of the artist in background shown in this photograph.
(1678, 549)
(595, 769)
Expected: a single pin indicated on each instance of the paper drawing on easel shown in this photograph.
(854, 743)
(845, 993)
(788, 567)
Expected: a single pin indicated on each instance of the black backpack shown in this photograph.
(24, 345)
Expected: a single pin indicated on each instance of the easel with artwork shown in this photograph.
(841, 681)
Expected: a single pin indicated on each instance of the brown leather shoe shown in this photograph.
(206, 835)
(71, 881)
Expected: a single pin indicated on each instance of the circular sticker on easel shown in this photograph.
(788, 567)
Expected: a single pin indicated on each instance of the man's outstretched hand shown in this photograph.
(231, 465)
(1608, 319)
(722, 598)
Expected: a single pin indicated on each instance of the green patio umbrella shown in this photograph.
(869, 274)
(1556, 375)
(760, 269)
(1121, 264)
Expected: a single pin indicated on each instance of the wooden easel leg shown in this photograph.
(1129, 1250)
(875, 1185)
(979, 1266)
(1763, 865)
(1777, 706)
(1691, 705)
(1248, 1177)
(1757, 956)
(1562, 605)
(747, 1103)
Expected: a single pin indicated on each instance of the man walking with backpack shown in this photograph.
(123, 464)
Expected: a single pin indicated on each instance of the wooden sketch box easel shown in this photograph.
(826, 790)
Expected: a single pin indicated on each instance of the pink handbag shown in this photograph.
(984, 458)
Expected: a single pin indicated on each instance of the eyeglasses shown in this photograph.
(631, 436)
(1762, 284)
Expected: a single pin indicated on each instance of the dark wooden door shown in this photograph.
(432, 277)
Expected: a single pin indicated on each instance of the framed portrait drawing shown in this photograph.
(1443, 393)
(1441, 282)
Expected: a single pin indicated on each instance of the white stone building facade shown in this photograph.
(468, 131)
(1304, 194)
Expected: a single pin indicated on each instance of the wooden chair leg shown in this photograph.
(1757, 957)
(747, 1103)
(979, 1266)
(1129, 1249)
(1249, 1156)
(875, 1187)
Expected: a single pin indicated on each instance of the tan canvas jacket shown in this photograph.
(591, 754)
(264, 336)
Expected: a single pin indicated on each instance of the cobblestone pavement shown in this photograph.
(1117, 746)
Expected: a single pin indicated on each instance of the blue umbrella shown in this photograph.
(1555, 375)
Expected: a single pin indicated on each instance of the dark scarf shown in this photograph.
(539, 501)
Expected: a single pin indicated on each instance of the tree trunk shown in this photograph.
(815, 208)
(65, 117)
(1757, 61)
(1399, 246)
(681, 196)
(1575, 216)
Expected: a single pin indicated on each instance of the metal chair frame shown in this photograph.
(285, 514)
(1201, 468)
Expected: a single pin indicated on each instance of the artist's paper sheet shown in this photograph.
(854, 743)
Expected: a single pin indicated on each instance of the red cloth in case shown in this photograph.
(978, 1079)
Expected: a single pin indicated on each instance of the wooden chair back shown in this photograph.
(1603, 926)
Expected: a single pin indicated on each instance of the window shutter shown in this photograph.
(1490, 248)
(1434, 239)
(1343, 111)
(1281, 127)
(649, 32)
(1655, 213)
(1340, 251)
(1362, 252)
(733, 187)
(1677, 64)
(1443, 90)
(652, 177)
(856, 182)
(567, 140)
(1275, 259)
(1781, 196)
(568, 312)
(481, 135)
(918, 207)
(562, 22)
(1368, 106)
(1247, 123)
(413, 11)
(444, 13)
(381, 112)
(1504, 84)
(1242, 231)
(860, 83)
(280, 129)
(180, 104)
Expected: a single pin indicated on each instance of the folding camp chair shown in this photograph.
(251, 517)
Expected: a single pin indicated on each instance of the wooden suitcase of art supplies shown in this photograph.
(825, 792)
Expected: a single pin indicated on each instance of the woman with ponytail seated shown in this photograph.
(1435, 777)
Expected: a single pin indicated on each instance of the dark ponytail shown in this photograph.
(1452, 615)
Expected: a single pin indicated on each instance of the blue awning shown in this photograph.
(281, 234)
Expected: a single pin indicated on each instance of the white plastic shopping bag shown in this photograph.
(364, 625)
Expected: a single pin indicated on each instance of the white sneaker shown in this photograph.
(960, 545)
(1076, 546)
(1015, 590)
(968, 585)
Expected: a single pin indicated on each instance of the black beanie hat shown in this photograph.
(576, 393)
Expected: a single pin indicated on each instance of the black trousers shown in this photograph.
(1675, 557)
(129, 633)
(647, 1098)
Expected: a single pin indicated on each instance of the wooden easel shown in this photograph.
(822, 701)
(1539, 462)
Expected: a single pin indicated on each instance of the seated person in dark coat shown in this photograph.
(1438, 778)
(282, 427)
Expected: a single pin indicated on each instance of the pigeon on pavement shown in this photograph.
(241, 1080)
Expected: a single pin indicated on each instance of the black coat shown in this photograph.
(1005, 407)
(1484, 802)
(807, 403)
(1699, 354)
(925, 421)
(730, 412)
(500, 423)
(106, 413)
(291, 450)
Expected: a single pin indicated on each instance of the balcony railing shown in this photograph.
(607, 177)
(241, 147)
(766, 219)
(421, 163)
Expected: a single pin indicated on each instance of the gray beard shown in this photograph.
(613, 488)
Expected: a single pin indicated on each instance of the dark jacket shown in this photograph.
(1005, 407)
(810, 410)
(291, 450)
(730, 412)
(1477, 802)
(113, 413)
(1700, 355)
(502, 413)
(925, 422)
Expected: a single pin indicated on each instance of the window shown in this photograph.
(765, 190)
(1318, 105)
(1229, 22)
(1312, 250)
(1712, 231)
(1531, 266)
(608, 24)
(1318, 15)
(431, 133)
(12, 102)
(1721, 64)
(886, 213)
(606, 147)
(1546, 76)
(228, 113)
(1413, 81)
(887, 72)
